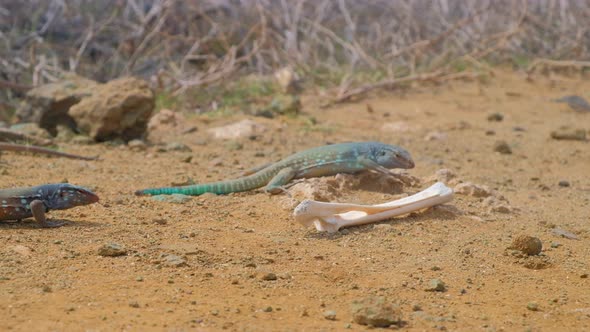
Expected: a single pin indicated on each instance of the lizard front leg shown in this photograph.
(38, 210)
(275, 185)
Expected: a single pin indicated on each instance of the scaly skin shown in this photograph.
(40, 150)
(320, 161)
(20, 203)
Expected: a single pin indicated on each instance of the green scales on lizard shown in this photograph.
(316, 162)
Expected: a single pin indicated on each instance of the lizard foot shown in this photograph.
(52, 224)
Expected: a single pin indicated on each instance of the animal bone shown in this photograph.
(331, 217)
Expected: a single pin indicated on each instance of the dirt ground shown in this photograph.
(54, 279)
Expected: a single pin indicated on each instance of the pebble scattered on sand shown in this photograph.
(330, 314)
(112, 250)
(495, 117)
(529, 245)
(435, 285)
(502, 147)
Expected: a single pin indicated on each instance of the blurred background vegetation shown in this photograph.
(202, 47)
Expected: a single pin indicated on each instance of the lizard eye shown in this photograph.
(382, 153)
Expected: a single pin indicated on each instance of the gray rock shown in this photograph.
(173, 260)
(174, 198)
(112, 250)
(435, 285)
(330, 314)
(376, 311)
(564, 183)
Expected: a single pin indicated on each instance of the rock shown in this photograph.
(567, 133)
(330, 314)
(137, 145)
(244, 128)
(470, 189)
(564, 183)
(443, 175)
(532, 306)
(118, 109)
(529, 245)
(496, 204)
(22, 250)
(173, 260)
(48, 105)
(435, 285)
(175, 146)
(436, 136)
(563, 233)
(174, 198)
(376, 311)
(502, 147)
(495, 117)
(112, 250)
(269, 276)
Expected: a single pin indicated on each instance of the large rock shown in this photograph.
(118, 109)
(376, 311)
(48, 105)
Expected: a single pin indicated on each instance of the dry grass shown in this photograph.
(181, 45)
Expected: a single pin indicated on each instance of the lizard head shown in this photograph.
(65, 196)
(390, 156)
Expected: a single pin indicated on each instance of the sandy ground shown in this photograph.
(54, 279)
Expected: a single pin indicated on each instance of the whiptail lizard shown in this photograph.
(40, 150)
(320, 161)
(20, 203)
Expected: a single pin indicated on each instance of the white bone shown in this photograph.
(331, 217)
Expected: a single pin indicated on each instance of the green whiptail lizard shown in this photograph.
(316, 162)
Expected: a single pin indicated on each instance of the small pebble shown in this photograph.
(330, 315)
(502, 147)
(174, 261)
(269, 276)
(112, 250)
(532, 306)
(555, 244)
(564, 183)
(584, 275)
(267, 309)
(435, 285)
(495, 117)
(134, 304)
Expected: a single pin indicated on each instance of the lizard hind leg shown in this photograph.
(275, 185)
(38, 210)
